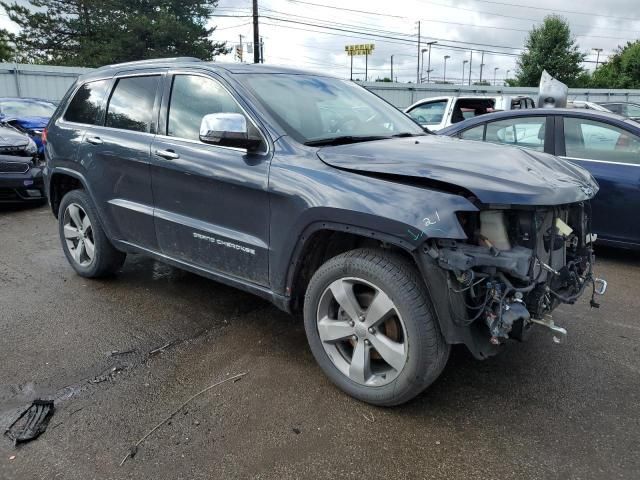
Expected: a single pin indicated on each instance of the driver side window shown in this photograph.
(193, 97)
(430, 113)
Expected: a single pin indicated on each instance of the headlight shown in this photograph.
(31, 148)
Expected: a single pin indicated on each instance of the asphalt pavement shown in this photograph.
(119, 355)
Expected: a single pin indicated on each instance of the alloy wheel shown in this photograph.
(362, 332)
(78, 235)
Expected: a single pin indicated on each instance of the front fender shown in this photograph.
(307, 194)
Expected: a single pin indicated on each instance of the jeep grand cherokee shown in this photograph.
(316, 194)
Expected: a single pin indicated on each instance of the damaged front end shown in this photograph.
(515, 267)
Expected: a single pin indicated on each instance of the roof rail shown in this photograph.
(156, 60)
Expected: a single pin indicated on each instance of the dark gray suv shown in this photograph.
(315, 194)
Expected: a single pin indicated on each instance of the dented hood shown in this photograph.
(493, 173)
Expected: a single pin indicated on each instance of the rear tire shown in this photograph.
(84, 242)
(381, 343)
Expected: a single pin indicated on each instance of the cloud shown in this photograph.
(485, 25)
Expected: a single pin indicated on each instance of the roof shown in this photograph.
(576, 112)
(190, 62)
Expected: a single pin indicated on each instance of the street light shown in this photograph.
(422, 59)
(464, 63)
(429, 60)
(598, 50)
(507, 75)
(444, 76)
(494, 74)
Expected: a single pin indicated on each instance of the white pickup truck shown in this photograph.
(440, 112)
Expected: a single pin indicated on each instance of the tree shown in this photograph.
(6, 49)
(92, 33)
(622, 70)
(550, 47)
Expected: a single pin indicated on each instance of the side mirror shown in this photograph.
(227, 130)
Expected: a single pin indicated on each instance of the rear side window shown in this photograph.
(131, 103)
(86, 103)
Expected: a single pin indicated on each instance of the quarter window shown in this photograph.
(86, 103)
(522, 132)
(193, 97)
(131, 103)
(475, 133)
(600, 141)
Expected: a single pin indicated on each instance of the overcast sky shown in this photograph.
(498, 26)
(503, 24)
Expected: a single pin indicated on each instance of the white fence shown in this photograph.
(51, 83)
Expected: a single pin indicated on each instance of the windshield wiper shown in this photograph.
(344, 140)
(408, 134)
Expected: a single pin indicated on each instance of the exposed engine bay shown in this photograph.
(516, 267)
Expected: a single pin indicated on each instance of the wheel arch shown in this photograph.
(322, 241)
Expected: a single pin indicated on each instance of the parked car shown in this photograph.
(392, 243)
(440, 112)
(606, 144)
(626, 109)
(587, 105)
(20, 169)
(29, 115)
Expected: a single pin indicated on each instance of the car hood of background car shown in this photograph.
(10, 137)
(29, 123)
(493, 173)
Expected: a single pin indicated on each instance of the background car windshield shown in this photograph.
(16, 108)
(313, 108)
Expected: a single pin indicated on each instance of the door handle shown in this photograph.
(95, 140)
(168, 154)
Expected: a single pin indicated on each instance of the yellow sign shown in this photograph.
(362, 49)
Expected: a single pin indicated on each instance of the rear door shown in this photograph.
(211, 202)
(116, 154)
(612, 154)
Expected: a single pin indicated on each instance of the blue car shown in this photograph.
(29, 115)
(606, 144)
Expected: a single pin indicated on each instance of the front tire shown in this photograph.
(371, 327)
(84, 242)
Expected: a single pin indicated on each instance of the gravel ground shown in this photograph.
(539, 410)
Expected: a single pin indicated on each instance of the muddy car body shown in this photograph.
(392, 243)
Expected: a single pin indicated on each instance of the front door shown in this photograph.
(211, 202)
(612, 155)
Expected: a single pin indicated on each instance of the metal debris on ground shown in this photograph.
(108, 375)
(162, 348)
(31, 422)
(134, 449)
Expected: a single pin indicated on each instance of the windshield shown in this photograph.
(313, 109)
(33, 108)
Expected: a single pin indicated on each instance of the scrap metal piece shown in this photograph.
(32, 422)
(548, 322)
(600, 285)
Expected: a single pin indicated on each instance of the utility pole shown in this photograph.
(481, 65)
(598, 50)
(261, 50)
(392, 68)
(240, 52)
(366, 67)
(470, 66)
(444, 76)
(256, 34)
(430, 44)
(418, 69)
(464, 64)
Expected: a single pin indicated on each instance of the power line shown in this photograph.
(556, 10)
